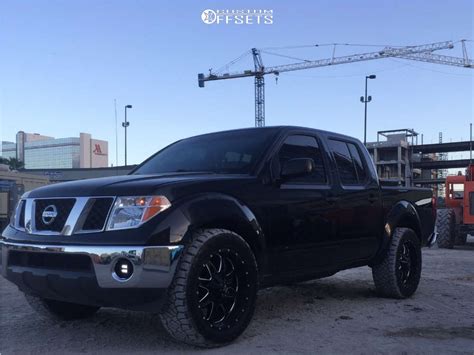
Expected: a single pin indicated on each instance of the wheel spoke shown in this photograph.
(206, 295)
(231, 268)
(209, 315)
(224, 313)
(219, 266)
(212, 268)
(231, 293)
(209, 273)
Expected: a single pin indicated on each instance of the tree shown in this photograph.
(13, 163)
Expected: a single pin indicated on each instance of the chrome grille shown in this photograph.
(97, 214)
(63, 208)
(70, 215)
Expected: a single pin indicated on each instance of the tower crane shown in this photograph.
(422, 53)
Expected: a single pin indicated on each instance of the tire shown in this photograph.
(58, 310)
(461, 238)
(445, 226)
(212, 297)
(398, 275)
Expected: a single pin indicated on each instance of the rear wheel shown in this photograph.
(398, 275)
(212, 298)
(59, 310)
(445, 226)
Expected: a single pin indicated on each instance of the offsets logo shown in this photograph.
(237, 17)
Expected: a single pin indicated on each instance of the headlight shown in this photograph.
(133, 211)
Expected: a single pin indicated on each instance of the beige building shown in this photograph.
(43, 152)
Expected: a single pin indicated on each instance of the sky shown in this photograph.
(63, 63)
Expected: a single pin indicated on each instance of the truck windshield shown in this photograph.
(233, 152)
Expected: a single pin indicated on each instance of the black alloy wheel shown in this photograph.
(222, 289)
(398, 274)
(406, 261)
(212, 298)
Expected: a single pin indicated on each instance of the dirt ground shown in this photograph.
(340, 314)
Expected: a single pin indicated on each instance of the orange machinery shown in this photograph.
(456, 221)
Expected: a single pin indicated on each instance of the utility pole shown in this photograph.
(365, 99)
(125, 125)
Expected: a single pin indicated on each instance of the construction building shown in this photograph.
(393, 156)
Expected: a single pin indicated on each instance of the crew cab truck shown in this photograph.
(194, 231)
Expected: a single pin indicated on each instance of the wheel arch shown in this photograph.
(207, 211)
(402, 215)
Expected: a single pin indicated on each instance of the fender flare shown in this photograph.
(402, 214)
(217, 210)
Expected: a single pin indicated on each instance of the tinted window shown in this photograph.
(359, 165)
(345, 166)
(233, 152)
(298, 146)
(349, 162)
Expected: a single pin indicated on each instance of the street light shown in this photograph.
(125, 125)
(365, 99)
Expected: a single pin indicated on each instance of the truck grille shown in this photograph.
(97, 214)
(62, 207)
(48, 216)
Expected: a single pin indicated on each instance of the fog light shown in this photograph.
(123, 269)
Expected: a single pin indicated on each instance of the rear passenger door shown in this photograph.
(358, 198)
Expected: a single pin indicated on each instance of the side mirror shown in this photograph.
(297, 167)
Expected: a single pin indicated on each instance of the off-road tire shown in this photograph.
(461, 238)
(445, 226)
(185, 316)
(389, 275)
(58, 310)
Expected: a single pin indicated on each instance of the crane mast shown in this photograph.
(422, 53)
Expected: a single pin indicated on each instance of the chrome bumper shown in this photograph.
(154, 266)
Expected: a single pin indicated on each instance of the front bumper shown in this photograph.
(153, 266)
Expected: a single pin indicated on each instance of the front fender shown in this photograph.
(216, 210)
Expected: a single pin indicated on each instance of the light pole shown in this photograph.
(125, 125)
(365, 99)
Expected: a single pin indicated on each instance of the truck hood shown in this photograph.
(126, 185)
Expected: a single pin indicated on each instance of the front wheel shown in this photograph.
(212, 298)
(398, 275)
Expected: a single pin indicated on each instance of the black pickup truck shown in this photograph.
(194, 231)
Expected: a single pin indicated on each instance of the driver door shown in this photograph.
(303, 213)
